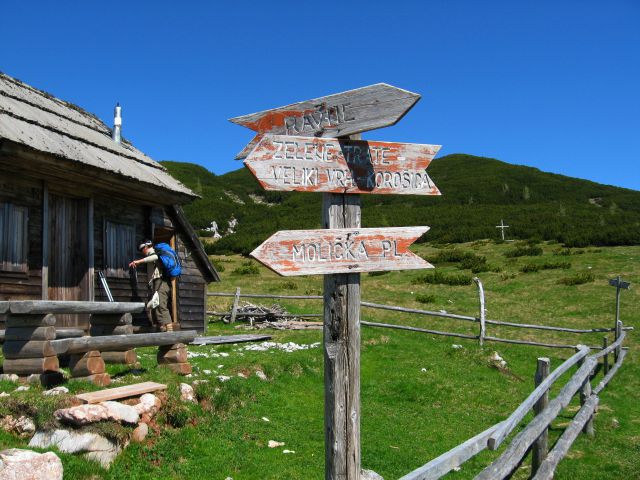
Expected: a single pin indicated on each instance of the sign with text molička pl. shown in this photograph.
(337, 115)
(293, 163)
(343, 250)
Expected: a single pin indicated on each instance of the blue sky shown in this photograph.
(548, 84)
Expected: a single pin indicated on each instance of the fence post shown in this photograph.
(482, 310)
(585, 393)
(605, 358)
(618, 333)
(234, 310)
(541, 445)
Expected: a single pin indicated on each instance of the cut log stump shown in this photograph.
(128, 357)
(100, 379)
(87, 364)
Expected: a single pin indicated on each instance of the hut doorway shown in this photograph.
(168, 235)
(69, 275)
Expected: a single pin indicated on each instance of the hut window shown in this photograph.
(14, 245)
(119, 248)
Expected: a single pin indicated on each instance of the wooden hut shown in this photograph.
(74, 203)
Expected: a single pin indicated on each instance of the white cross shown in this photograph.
(502, 226)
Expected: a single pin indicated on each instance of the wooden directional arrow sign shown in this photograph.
(337, 115)
(348, 250)
(304, 164)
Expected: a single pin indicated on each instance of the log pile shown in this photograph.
(174, 357)
(27, 348)
(114, 324)
(275, 316)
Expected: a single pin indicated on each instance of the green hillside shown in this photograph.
(476, 193)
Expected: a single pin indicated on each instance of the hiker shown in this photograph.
(159, 285)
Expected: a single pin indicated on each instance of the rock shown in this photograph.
(4, 394)
(274, 444)
(17, 464)
(369, 475)
(94, 447)
(265, 419)
(119, 412)
(22, 388)
(140, 433)
(149, 405)
(456, 346)
(22, 425)
(187, 394)
(206, 372)
(56, 391)
(241, 375)
(223, 378)
(260, 374)
(288, 451)
(9, 377)
(198, 382)
(87, 414)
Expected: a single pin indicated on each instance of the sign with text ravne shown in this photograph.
(337, 115)
(293, 163)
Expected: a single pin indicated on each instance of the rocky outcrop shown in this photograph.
(93, 446)
(17, 464)
(87, 414)
(22, 425)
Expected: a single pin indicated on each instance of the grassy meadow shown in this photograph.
(420, 395)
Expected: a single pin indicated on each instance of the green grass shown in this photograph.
(409, 416)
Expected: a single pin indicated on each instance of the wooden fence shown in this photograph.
(481, 319)
(534, 437)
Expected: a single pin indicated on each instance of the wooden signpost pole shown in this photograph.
(293, 152)
(341, 333)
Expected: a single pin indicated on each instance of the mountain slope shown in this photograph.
(476, 193)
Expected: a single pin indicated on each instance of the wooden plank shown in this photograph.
(227, 339)
(111, 319)
(496, 439)
(512, 456)
(118, 393)
(337, 115)
(341, 348)
(4, 306)
(302, 164)
(341, 250)
(561, 448)
(122, 342)
(541, 445)
(452, 459)
(63, 306)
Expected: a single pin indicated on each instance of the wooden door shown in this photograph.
(69, 262)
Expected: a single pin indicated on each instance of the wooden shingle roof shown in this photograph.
(37, 120)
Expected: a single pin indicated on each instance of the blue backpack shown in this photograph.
(170, 260)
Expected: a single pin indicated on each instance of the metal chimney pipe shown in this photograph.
(117, 123)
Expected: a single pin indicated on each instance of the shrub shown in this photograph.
(218, 265)
(425, 298)
(524, 251)
(377, 274)
(475, 263)
(533, 267)
(439, 278)
(247, 268)
(290, 285)
(578, 279)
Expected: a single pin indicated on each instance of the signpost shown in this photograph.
(284, 157)
(346, 250)
(337, 115)
(620, 285)
(342, 166)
